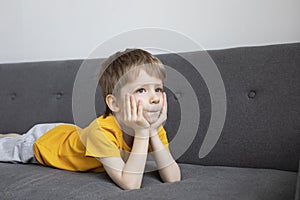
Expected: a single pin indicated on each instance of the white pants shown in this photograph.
(19, 149)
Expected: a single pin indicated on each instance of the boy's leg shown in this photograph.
(19, 149)
(9, 135)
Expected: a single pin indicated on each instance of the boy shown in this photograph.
(116, 142)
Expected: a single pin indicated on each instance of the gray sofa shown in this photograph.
(256, 156)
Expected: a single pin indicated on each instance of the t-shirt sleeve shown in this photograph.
(101, 143)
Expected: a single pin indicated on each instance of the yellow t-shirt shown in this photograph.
(72, 148)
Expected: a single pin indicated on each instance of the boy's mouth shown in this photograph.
(151, 115)
(152, 111)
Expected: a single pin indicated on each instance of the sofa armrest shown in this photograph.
(297, 196)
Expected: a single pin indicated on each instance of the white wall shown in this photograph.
(33, 30)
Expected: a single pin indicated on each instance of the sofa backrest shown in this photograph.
(261, 127)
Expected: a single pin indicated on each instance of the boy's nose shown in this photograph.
(154, 99)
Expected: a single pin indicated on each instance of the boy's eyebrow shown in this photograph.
(146, 84)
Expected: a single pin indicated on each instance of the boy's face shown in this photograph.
(147, 90)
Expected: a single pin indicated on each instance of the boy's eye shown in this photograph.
(141, 90)
(158, 90)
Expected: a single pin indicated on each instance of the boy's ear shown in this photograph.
(111, 102)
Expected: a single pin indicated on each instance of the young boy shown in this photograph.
(118, 141)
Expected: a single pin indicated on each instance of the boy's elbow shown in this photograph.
(173, 179)
(171, 174)
(131, 186)
(131, 183)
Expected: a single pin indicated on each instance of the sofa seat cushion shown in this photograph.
(198, 182)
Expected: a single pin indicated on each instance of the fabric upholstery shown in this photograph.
(297, 194)
(198, 182)
(262, 91)
(256, 156)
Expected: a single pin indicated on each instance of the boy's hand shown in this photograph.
(161, 119)
(133, 115)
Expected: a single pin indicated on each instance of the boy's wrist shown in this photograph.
(141, 133)
(153, 132)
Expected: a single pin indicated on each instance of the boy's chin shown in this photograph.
(151, 121)
(151, 118)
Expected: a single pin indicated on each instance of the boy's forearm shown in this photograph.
(135, 165)
(138, 155)
(167, 166)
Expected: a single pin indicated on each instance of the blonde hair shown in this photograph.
(115, 70)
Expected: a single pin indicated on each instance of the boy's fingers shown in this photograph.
(140, 110)
(165, 104)
(127, 107)
(133, 107)
(124, 108)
